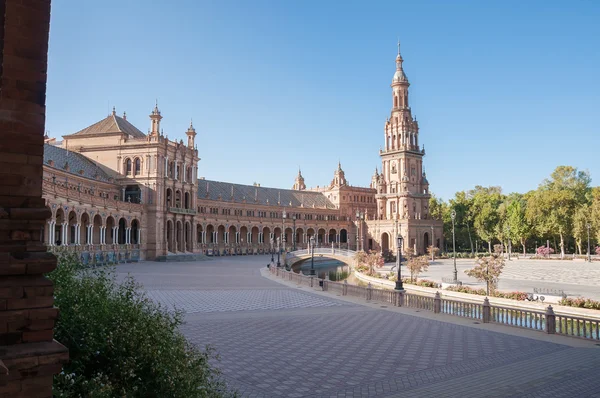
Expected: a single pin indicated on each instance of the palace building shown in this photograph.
(117, 194)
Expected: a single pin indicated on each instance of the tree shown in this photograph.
(519, 228)
(374, 260)
(462, 204)
(488, 270)
(416, 265)
(432, 249)
(485, 209)
(580, 222)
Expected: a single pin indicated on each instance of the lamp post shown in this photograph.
(312, 256)
(399, 243)
(432, 246)
(272, 260)
(360, 216)
(589, 252)
(453, 216)
(283, 240)
(278, 251)
(294, 233)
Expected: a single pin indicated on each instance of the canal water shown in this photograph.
(337, 270)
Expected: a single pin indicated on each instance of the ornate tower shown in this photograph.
(299, 182)
(339, 177)
(155, 119)
(191, 134)
(402, 192)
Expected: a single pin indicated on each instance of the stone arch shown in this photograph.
(332, 236)
(169, 197)
(426, 242)
(170, 236)
(385, 243)
(121, 238)
(321, 237)
(83, 233)
(267, 235)
(288, 236)
(72, 229)
(186, 200)
(254, 234)
(135, 232)
(210, 233)
(96, 229)
(277, 233)
(110, 224)
(188, 237)
(343, 236)
(221, 234)
(178, 199)
(310, 232)
(244, 234)
(299, 237)
(231, 234)
(178, 236)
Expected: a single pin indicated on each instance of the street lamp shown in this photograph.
(278, 252)
(294, 233)
(283, 240)
(453, 216)
(400, 241)
(312, 257)
(360, 216)
(589, 252)
(272, 260)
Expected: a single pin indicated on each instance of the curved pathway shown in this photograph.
(279, 340)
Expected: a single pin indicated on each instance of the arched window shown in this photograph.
(138, 166)
(128, 166)
(395, 101)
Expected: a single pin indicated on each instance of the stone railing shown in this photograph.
(323, 250)
(50, 188)
(179, 210)
(544, 321)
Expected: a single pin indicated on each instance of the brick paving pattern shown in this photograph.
(278, 341)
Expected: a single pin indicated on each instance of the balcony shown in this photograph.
(178, 210)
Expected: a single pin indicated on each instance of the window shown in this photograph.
(128, 167)
(138, 166)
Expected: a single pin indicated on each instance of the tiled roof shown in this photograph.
(76, 161)
(112, 124)
(263, 196)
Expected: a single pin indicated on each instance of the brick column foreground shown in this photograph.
(29, 356)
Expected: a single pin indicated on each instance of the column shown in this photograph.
(139, 237)
(128, 235)
(50, 233)
(63, 233)
(77, 234)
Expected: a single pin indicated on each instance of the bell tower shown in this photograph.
(155, 119)
(299, 182)
(402, 193)
(191, 134)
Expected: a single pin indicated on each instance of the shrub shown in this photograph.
(598, 250)
(544, 251)
(121, 343)
(580, 303)
(421, 282)
(521, 296)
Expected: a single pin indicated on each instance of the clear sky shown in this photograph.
(504, 91)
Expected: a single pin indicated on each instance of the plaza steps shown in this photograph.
(187, 257)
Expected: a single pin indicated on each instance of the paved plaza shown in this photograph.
(280, 340)
(576, 278)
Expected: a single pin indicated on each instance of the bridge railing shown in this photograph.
(543, 321)
(323, 250)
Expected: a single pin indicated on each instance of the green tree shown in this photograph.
(485, 210)
(581, 219)
(462, 204)
(416, 265)
(519, 229)
(488, 269)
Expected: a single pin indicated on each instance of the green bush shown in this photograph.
(121, 343)
(580, 303)
(521, 296)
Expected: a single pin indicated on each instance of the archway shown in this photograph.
(71, 232)
(96, 229)
(60, 219)
(170, 236)
(188, 237)
(83, 233)
(169, 197)
(110, 223)
(122, 231)
(244, 235)
(254, 235)
(178, 199)
(343, 236)
(231, 235)
(321, 237)
(199, 234)
(135, 232)
(277, 233)
(267, 236)
(186, 200)
(210, 234)
(288, 237)
(310, 233)
(179, 236)
(299, 238)
(332, 236)
(133, 194)
(385, 243)
(220, 234)
(425, 242)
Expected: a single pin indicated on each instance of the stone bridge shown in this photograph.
(344, 255)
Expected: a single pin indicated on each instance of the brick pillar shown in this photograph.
(29, 357)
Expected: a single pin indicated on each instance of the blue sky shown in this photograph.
(504, 91)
